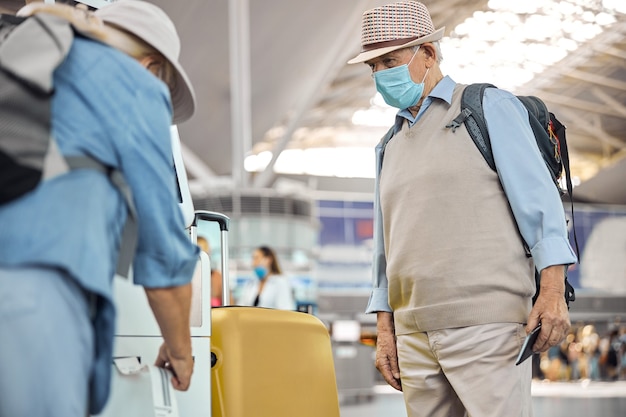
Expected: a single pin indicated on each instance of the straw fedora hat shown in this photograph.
(395, 26)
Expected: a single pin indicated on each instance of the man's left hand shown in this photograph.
(550, 310)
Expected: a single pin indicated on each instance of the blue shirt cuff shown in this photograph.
(552, 251)
(150, 272)
(379, 301)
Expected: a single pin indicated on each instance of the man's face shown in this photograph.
(400, 57)
(390, 60)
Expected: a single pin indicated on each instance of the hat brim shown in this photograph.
(374, 53)
(183, 97)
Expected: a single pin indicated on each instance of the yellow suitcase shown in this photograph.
(271, 363)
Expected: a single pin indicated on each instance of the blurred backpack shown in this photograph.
(31, 48)
(549, 134)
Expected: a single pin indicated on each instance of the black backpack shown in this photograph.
(31, 48)
(550, 137)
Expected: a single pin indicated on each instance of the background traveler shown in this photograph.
(269, 289)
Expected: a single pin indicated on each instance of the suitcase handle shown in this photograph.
(224, 223)
(211, 216)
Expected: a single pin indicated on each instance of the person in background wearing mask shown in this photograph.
(117, 94)
(270, 289)
(452, 284)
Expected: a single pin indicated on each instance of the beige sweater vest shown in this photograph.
(454, 255)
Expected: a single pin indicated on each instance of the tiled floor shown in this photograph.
(596, 399)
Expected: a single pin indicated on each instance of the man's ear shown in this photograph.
(153, 63)
(430, 52)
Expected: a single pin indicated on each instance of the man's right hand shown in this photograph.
(171, 307)
(182, 368)
(386, 353)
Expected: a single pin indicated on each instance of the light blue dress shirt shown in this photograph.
(108, 106)
(533, 198)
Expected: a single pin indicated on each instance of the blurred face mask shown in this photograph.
(397, 87)
(260, 272)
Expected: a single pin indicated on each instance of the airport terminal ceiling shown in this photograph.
(290, 66)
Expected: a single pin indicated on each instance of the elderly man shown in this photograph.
(452, 280)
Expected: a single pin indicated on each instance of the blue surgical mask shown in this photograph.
(260, 272)
(397, 87)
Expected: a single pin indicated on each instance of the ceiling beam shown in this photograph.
(579, 104)
(593, 127)
(609, 50)
(195, 165)
(330, 65)
(597, 79)
(619, 107)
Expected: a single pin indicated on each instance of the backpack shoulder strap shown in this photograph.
(474, 118)
(130, 232)
(537, 108)
(539, 120)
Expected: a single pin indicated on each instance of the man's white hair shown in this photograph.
(437, 46)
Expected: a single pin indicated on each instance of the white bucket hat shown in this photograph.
(149, 23)
(395, 26)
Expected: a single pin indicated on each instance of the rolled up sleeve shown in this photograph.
(165, 255)
(533, 197)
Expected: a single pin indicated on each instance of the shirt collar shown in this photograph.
(443, 90)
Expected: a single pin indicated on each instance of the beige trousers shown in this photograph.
(467, 371)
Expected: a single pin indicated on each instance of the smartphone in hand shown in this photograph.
(527, 347)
